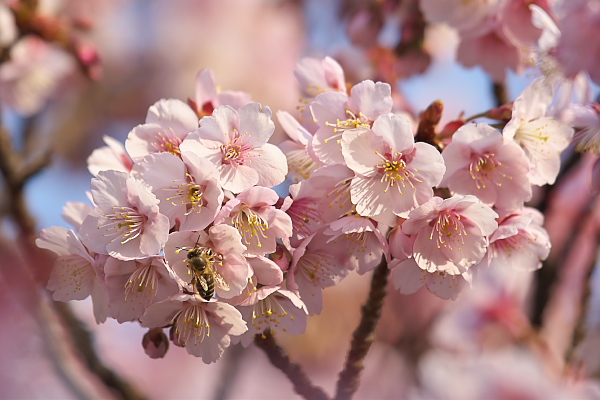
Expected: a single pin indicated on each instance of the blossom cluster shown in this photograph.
(187, 232)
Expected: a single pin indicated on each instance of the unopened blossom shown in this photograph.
(301, 164)
(275, 309)
(33, 72)
(134, 285)
(168, 123)
(208, 96)
(187, 187)
(224, 248)
(394, 175)
(235, 141)
(542, 136)
(337, 113)
(126, 223)
(408, 277)
(520, 242)
(155, 343)
(482, 162)
(112, 156)
(365, 243)
(254, 215)
(203, 328)
(317, 264)
(77, 272)
(321, 199)
(450, 235)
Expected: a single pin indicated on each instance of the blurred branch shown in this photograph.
(16, 172)
(500, 93)
(302, 385)
(364, 335)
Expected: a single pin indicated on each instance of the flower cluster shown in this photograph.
(187, 232)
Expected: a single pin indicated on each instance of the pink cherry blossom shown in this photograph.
(587, 121)
(480, 161)
(465, 16)
(134, 285)
(77, 272)
(301, 164)
(450, 235)
(275, 309)
(394, 175)
(33, 72)
(408, 277)
(363, 240)
(168, 123)
(188, 188)
(259, 223)
(209, 97)
(8, 26)
(225, 243)
(112, 156)
(317, 264)
(321, 199)
(542, 136)
(520, 242)
(203, 328)
(336, 113)
(126, 223)
(236, 142)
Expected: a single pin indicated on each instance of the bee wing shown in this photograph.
(203, 283)
(221, 282)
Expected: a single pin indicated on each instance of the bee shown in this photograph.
(200, 261)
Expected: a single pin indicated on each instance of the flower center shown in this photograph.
(486, 168)
(167, 141)
(124, 222)
(251, 226)
(450, 231)
(142, 285)
(190, 324)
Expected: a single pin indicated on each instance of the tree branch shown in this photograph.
(364, 335)
(302, 384)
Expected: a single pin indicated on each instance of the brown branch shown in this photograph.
(500, 93)
(302, 384)
(364, 335)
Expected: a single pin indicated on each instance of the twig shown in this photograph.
(302, 385)
(500, 93)
(229, 374)
(364, 335)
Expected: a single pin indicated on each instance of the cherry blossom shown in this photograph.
(450, 235)
(520, 242)
(188, 188)
(203, 328)
(77, 272)
(236, 142)
(275, 309)
(112, 156)
(542, 137)
(259, 223)
(301, 164)
(225, 244)
(168, 123)
(32, 74)
(480, 161)
(126, 222)
(134, 285)
(336, 113)
(208, 96)
(394, 175)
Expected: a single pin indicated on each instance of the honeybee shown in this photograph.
(200, 261)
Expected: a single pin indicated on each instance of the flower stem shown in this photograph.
(302, 385)
(364, 335)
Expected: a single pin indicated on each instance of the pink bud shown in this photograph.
(155, 343)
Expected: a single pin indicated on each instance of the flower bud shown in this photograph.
(155, 343)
